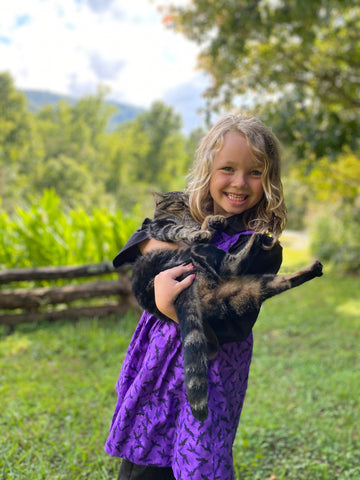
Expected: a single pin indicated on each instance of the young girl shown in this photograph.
(236, 174)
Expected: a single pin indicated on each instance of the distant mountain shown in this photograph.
(38, 98)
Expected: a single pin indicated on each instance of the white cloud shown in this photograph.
(70, 46)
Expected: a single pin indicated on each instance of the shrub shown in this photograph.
(46, 234)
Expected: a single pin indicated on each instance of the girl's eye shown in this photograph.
(256, 173)
(227, 169)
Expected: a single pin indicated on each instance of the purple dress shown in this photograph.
(153, 424)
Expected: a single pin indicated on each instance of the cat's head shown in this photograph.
(171, 203)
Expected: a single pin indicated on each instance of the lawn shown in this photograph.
(301, 416)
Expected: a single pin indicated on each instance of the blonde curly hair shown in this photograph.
(269, 215)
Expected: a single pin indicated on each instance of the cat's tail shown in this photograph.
(195, 351)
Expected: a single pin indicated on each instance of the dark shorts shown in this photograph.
(131, 471)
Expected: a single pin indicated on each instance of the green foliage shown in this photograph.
(337, 181)
(73, 160)
(335, 238)
(15, 122)
(302, 57)
(145, 155)
(311, 130)
(300, 419)
(266, 45)
(336, 216)
(164, 161)
(297, 195)
(18, 141)
(67, 147)
(46, 234)
(72, 180)
(295, 65)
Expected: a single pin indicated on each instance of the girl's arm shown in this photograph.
(152, 244)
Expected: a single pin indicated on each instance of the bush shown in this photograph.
(336, 230)
(335, 238)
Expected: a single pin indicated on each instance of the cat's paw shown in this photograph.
(317, 268)
(217, 222)
(200, 236)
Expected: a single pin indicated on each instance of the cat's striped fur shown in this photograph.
(220, 291)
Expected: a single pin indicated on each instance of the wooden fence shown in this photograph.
(19, 305)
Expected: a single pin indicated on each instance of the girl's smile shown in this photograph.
(236, 177)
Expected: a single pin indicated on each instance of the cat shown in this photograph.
(220, 291)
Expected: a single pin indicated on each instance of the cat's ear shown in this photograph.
(158, 197)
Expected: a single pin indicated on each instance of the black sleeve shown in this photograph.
(130, 251)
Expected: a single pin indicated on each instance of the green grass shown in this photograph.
(301, 416)
(57, 396)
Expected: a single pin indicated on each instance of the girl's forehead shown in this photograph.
(234, 141)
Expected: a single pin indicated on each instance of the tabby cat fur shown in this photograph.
(221, 289)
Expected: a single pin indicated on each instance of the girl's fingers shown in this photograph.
(186, 282)
(179, 270)
(171, 274)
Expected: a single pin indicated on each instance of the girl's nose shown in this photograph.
(239, 180)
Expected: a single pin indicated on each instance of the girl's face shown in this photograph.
(235, 182)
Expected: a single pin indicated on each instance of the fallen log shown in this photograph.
(34, 304)
(54, 273)
(38, 297)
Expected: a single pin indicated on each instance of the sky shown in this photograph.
(73, 46)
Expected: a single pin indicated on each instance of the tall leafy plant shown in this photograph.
(47, 234)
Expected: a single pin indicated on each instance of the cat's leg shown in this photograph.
(214, 222)
(211, 224)
(199, 236)
(280, 283)
(166, 231)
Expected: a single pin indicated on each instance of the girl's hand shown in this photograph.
(167, 288)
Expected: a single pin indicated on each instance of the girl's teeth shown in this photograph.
(236, 197)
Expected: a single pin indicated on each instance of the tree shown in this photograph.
(15, 130)
(308, 53)
(125, 150)
(162, 128)
(75, 130)
(75, 161)
(144, 155)
(72, 181)
(155, 153)
(18, 141)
